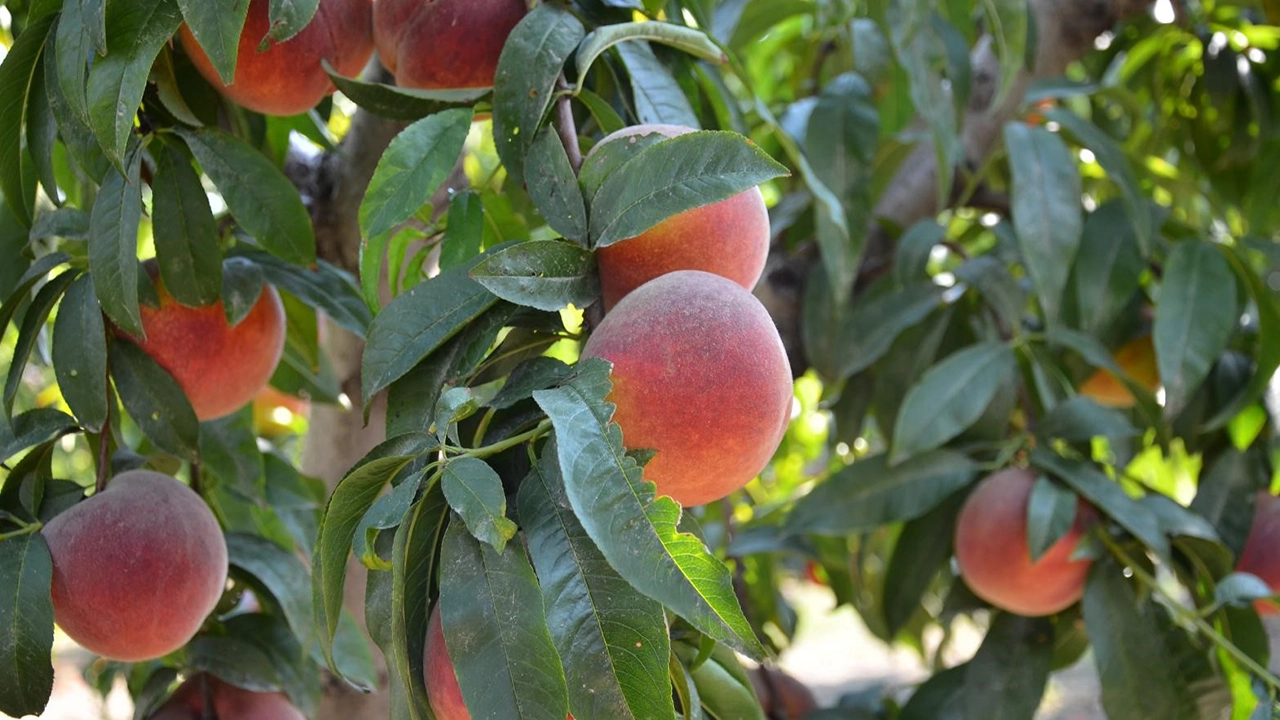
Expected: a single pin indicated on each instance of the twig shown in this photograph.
(195, 476)
(566, 128)
(541, 429)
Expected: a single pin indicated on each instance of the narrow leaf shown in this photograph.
(31, 428)
(154, 401)
(26, 617)
(280, 573)
(659, 98)
(410, 171)
(33, 323)
(80, 354)
(690, 40)
(113, 245)
(403, 104)
(1006, 679)
(553, 186)
(186, 234)
(1051, 511)
(216, 26)
(17, 83)
(1194, 319)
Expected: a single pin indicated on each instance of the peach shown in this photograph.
(1138, 359)
(1259, 556)
(229, 703)
(995, 558)
(444, 44)
(700, 376)
(443, 691)
(220, 367)
(287, 78)
(136, 567)
(728, 238)
(274, 412)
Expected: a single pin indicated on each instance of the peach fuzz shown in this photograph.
(444, 44)
(995, 558)
(729, 238)
(700, 376)
(220, 367)
(137, 567)
(287, 78)
(443, 692)
(1261, 554)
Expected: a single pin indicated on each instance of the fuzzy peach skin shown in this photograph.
(443, 44)
(700, 376)
(1261, 554)
(995, 558)
(443, 691)
(228, 702)
(287, 78)
(220, 367)
(728, 238)
(137, 567)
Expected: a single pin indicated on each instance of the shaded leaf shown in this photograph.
(1194, 319)
(553, 186)
(1006, 679)
(154, 400)
(280, 573)
(80, 354)
(216, 27)
(26, 614)
(186, 235)
(113, 245)
(658, 97)
(542, 274)
(474, 491)
(1051, 511)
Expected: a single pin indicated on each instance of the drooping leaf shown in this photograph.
(612, 639)
(1079, 419)
(216, 27)
(229, 454)
(154, 400)
(278, 572)
(658, 97)
(465, 233)
(1008, 22)
(474, 491)
(542, 274)
(113, 245)
(635, 530)
(410, 171)
(690, 40)
(31, 428)
(923, 548)
(553, 186)
(1051, 511)
(403, 104)
(289, 17)
(1046, 209)
(496, 631)
(870, 493)
(80, 354)
(18, 80)
(950, 397)
(33, 323)
(258, 194)
(1267, 355)
(26, 616)
(323, 286)
(1006, 679)
(186, 234)
(414, 560)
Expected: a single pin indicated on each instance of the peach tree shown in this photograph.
(615, 319)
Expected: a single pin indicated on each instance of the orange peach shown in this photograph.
(287, 78)
(700, 376)
(137, 567)
(1138, 359)
(444, 44)
(220, 367)
(995, 558)
(728, 238)
(1260, 556)
(443, 691)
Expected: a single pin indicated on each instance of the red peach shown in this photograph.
(1260, 556)
(444, 44)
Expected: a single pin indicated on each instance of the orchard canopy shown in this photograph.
(518, 359)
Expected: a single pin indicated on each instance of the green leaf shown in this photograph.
(73, 47)
(186, 235)
(17, 83)
(464, 235)
(289, 17)
(1225, 496)
(388, 512)
(874, 324)
(939, 697)
(217, 26)
(1006, 679)
(258, 194)
(154, 401)
(230, 456)
(403, 104)
(417, 322)
(673, 176)
(1080, 419)
(33, 323)
(721, 692)
(525, 81)
(1107, 268)
(606, 158)
(1112, 158)
(950, 397)
(1046, 209)
(38, 271)
(1267, 354)
(280, 573)
(350, 500)
(634, 529)
(1195, 318)
(413, 571)
(538, 373)
(323, 286)
(1241, 589)
(234, 660)
(1008, 22)
(603, 113)
(612, 640)
(923, 548)
(553, 186)
(64, 222)
(42, 129)
(496, 632)
(113, 245)
(1107, 496)
(80, 354)
(413, 167)
(842, 135)
(242, 285)
(870, 493)
(32, 428)
(542, 274)
(1051, 512)
(26, 614)
(136, 31)
(474, 491)
(659, 98)
(692, 41)
(1125, 644)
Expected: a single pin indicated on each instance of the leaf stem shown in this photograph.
(1190, 616)
(25, 529)
(538, 431)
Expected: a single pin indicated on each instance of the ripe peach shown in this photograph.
(287, 78)
(220, 367)
(995, 559)
(700, 375)
(229, 703)
(1259, 556)
(137, 567)
(443, 44)
(443, 691)
(1138, 359)
(728, 238)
